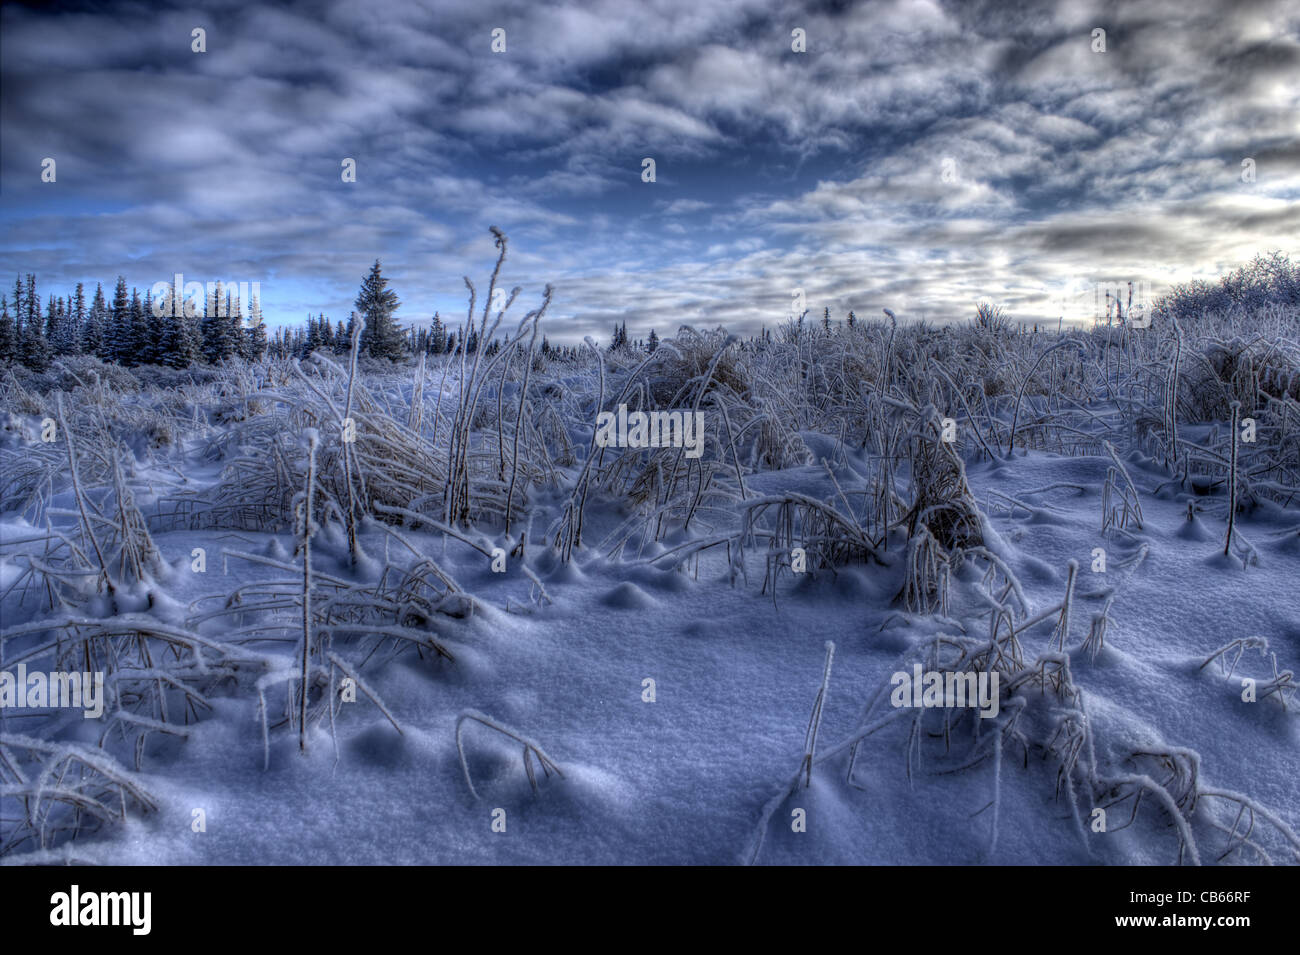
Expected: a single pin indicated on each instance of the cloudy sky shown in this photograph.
(920, 156)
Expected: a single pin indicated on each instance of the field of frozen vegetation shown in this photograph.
(871, 592)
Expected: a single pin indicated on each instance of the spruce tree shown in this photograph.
(135, 337)
(24, 321)
(78, 315)
(235, 316)
(618, 341)
(8, 336)
(119, 331)
(36, 352)
(217, 346)
(92, 332)
(168, 332)
(52, 317)
(32, 302)
(380, 336)
(60, 327)
(313, 340)
(18, 307)
(189, 334)
(437, 335)
(256, 331)
(156, 337)
(172, 351)
(34, 348)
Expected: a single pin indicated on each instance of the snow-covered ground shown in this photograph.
(1119, 740)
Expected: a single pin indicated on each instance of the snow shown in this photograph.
(695, 775)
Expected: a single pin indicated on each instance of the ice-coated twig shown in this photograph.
(548, 765)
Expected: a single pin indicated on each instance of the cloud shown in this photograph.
(919, 156)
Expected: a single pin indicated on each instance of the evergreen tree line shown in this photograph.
(381, 337)
(127, 330)
(320, 334)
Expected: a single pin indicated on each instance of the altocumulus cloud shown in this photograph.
(919, 155)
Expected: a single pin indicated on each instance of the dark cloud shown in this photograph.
(920, 156)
